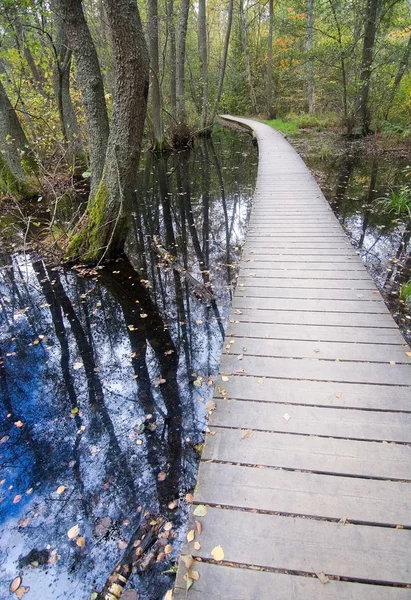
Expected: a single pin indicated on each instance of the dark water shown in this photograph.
(357, 187)
(105, 375)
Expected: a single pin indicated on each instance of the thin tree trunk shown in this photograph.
(108, 212)
(363, 116)
(203, 55)
(244, 42)
(309, 47)
(181, 56)
(156, 104)
(400, 74)
(270, 109)
(61, 83)
(15, 157)
(90, 82)
(224, 60)
(172, 65)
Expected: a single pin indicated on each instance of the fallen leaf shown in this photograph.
(169, 595)
(338, 395)
(4, 439)
(392, 362)
(16, 498)
(15, 584)
(240, 357)
(188, 560)
(194, 575)
(210, 406)
(287, 417)
(73, 532)
(190, 535)
(143, 316)
(189, 582)
(217, 553)
(246, 433)
(197, 383)
(342, 521)
(172, 505)
(121, 545)
(225, 378)
(21, 591)
(197, 545)
(19, 424)
(399, 527)
(190, 498)
(168, 526)
(200, 511)
(199, 322)
(81, 542)
(60, 489)
(408, 353)
(77, 366)
(199, 527)
(168, 548)
(322, 577)
(161, 476)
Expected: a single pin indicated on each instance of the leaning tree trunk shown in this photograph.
(107, 219)
(309, 47)
(90, 82)
(61, 83)
(156, 104)
(270, 109)
(181, 57)
(363, 117)
(16, 159)
(203, 55)
(405, 59)
(224, 61)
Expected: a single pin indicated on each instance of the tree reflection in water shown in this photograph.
(100, 417)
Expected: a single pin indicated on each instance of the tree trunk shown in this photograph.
(224, 60)
(203, 55)
(172, 58)
(270, 109)
(309, 47)
(90, 82)
(61, 83)
(156, 104)
(247, 67)
(363, 116)
(108, 211)
(181, 56)
(400, 74)
(16, 159)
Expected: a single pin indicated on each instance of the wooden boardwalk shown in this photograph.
(308, 467)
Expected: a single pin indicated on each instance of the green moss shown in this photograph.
(9, 184)
(284, 126)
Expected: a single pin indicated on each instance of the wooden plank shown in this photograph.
(229, 583)
(330, 350)
(299, 273)
(316, 393)
(374, 554)
(311, 420)
(308, 293)
(291, 283)
(294, 492)
(291, 265)
(317, 305)
(317, 333)
(300, 317)
(318, 370)
(265, 260)
(309, 453)
(315, 318)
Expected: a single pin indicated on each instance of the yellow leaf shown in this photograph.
(15, 584)
(60, 489)
(200, 511)
(408, 353)
(217, 553)
(168, 548)
(247, 433)
(197, 545)
(224, 378)
(194, 575)
(82, 542)
(199, 527)
(190, 535)
(73, 532)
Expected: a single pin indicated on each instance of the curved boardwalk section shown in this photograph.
(306, 474)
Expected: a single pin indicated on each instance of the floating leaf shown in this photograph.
(200, 511)
(19, 424)
(77, 366)
(81, 542)
(21, 591)
(168, 548)
(161, 476)
(73, 532)
(15, 584)
(217, 553)
(16, 498)
(210, 406)
(189, 498)
(4, 439)
(60, 489)
(143, 316)
(190, 535)
(197, 383)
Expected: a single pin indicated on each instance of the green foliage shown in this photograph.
(405, 291)
(397, 203)
(283, 126)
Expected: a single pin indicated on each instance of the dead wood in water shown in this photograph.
(199, 289)
(144, 546)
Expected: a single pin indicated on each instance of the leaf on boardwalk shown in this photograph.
(225, 378)
(217, 553)
(287, 417)
(190, 535)
(246, 433)
(408, 353)
(210, 406)
(200, 511)
(342, 521)
(197, 545)
(240, 357)
(194, 575)
(188, 560)
(199, 527)
(322, 577)
(338, 395)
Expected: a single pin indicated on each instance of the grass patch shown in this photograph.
(283, 126)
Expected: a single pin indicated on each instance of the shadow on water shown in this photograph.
(105, 374)
(371, 197)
